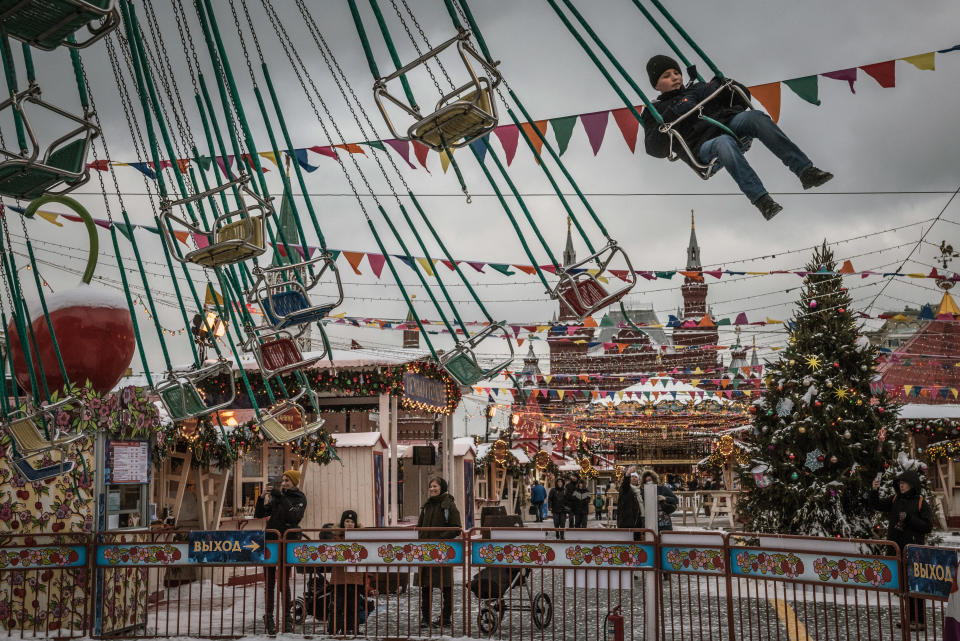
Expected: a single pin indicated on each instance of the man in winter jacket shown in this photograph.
(557, 503)
(285, 507)
(538, 494)
(708, 142)
(909, 520)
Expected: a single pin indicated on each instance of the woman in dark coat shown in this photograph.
(439, 511)
(557, 503)
(579, 505)
(909, 520)
(630, 504)
(667, 501)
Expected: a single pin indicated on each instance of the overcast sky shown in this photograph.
(894, 152)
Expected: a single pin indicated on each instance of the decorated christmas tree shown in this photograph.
(819, 437)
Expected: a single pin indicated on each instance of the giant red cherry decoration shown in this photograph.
(92, 326)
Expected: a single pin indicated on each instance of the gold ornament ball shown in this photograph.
(793, 362)
(802, 429)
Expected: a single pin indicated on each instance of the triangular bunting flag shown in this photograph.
(183, 164)
(847, 268)
(444, 160)
(352, 147)
(562, 131)
(426, 265)
(99, 165)
(325, 150)
(50, 217)
(224, 164)
(850, 75)
(376, 263)
(923, 61)
(269, 155)
(420, 150)
(479, 146)
(536, 140)
(300, 155)
(502, 268)
(354, 259)
(402, 147)
(143, 168)
(595, 124)
(883, 72)
(408, 261)
(806, 87)
(508, 135)
(628, 124)
(769, 96)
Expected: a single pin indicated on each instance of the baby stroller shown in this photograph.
(317, 599)
(493, 585)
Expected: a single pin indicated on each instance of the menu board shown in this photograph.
(129, 462)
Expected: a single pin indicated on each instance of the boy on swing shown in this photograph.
(708, 142)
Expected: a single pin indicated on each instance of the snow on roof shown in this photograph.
(921, 410)
(484, 448)
(462, 445)
(358, 439)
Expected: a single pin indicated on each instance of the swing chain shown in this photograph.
(253, 33)
(416, 46)
(243, 44)
(187, 42)
(332, 62)
(282, 36)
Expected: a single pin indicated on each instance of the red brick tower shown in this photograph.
(697, 328)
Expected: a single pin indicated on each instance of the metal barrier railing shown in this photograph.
(511, 583)
(45, 585)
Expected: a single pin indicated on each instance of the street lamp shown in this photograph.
(206, 330)
(489, 413)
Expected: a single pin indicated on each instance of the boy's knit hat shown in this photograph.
(657, 65)
(293, 475)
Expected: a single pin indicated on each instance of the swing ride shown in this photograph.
(218, 224)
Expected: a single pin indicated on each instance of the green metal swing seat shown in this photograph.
(461, 115)
(46, 24)
(30, 441)
(61, 167)
(183, 400)
(234, 237)
(462, 363)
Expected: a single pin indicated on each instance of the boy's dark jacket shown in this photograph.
(694, 130)
(909, 518)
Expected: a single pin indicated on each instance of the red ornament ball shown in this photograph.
(841, 310)
(817, 403)
(813, 304)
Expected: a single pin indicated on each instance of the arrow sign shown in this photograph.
(226, 546)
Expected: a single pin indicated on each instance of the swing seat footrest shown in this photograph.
(457, 124)
(46, 24)
(32, 474)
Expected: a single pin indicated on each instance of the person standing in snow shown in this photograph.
(580, 504)
(538, 494)
(666, 500)
(439, 511)
(630, 504)
(909, 520)
(285, 506)
(557, 503)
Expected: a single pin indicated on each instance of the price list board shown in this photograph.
(129, 462)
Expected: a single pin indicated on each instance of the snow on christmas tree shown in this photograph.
(819, 438)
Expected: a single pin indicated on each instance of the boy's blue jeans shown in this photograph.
(752, 124)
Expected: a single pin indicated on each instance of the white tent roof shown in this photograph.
(922, 410)
(358, 439)
(668, 389)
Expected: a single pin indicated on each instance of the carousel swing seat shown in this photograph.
(47, 24)
(272, 424)
(462, 363)
(287, 303)
(234, 237)
(61, 167)
(30, 442)
(181, 397)
(582, 293)
(278, 353)
(680, 150)
(462, 115)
